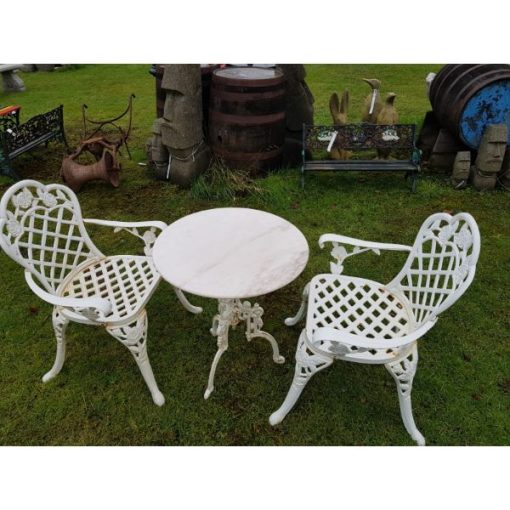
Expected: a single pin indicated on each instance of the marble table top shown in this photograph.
(229, 253)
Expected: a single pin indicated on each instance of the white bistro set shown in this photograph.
(232, 255)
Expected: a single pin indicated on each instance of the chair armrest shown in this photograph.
(335, 238)
(88, 307)
(135, 228)
(336, 335)
(340, 253)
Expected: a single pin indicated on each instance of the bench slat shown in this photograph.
(361, 166)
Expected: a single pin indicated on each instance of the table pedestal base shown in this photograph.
(230, 313)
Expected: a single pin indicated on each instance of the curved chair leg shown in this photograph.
(134, 337)
(403, 372)
(184, 302)
(307, 364)
(292, 321)
(59, 325)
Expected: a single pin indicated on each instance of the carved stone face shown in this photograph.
(492, 148)
(461, 165)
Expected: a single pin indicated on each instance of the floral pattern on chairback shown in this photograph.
(41, 228)
(441, 265)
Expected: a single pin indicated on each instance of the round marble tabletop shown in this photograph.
(229, 253)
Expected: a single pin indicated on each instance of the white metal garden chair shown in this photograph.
(355, 319)
(41, 228)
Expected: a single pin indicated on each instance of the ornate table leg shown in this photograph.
(220, 326)
(230, 313)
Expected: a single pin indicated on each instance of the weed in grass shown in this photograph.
(220, 183)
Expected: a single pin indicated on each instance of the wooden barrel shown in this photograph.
(247, 117)
(467, 97)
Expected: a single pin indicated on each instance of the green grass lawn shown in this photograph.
(461, 391)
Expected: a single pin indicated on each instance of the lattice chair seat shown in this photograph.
(126, 282)
(355, 319)
(41, 228)
(358, 307)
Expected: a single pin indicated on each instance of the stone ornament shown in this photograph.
(492, 149)
(299, 99)
(183, 106)
(461, 167)
(359, 320)
(489, 159)
(10, 79)
(372, 105)
(178, 149)
(387, 115)
(184, 79)
(299, 110)
(41, 228)
(339, 110)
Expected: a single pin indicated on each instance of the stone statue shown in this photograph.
(489, 159)
(11, 81)
(372, 105)
(339, 113)
(183, 106)
(179, 151)
(298, 111)
(461, 167)
(388, 114)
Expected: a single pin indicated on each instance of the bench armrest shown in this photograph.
(340, 253)
(149, 236)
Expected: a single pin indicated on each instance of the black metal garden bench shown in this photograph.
(15, 138)
(389, 141)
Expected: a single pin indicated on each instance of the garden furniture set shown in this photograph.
(232, 254)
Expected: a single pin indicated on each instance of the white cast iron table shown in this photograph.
(230, 254)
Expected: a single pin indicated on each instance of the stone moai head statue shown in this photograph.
(490, 157)
(183, 105)
(461, 166)
(492, 149)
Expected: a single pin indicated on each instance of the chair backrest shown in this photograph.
(441, 265)
(42, 229)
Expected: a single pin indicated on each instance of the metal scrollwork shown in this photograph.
(148, 237)
(39, 126)
(340, 253)
(232, 312)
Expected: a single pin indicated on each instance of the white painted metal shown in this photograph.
(355, 319)
(231, 254)
(41, 228)
(230, 313)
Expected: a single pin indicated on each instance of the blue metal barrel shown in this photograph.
(468, 97)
